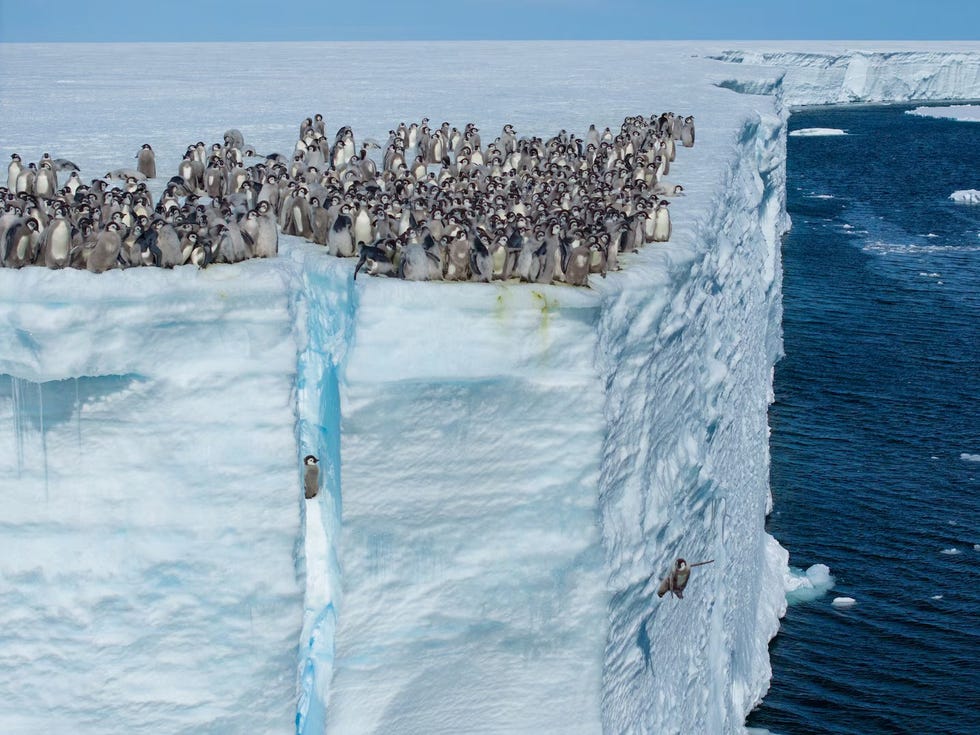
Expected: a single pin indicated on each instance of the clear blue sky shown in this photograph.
(286, 20)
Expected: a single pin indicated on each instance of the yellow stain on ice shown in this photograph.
(548, 306)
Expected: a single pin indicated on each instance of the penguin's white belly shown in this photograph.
(60, 242)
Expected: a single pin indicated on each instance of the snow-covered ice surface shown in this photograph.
(507, 471)
(966, 196)
(816, 132)
(963, 113)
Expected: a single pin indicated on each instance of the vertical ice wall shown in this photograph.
(685, 467)
(474, 585)
(149, 508)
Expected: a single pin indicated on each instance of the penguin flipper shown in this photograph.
(157, 254)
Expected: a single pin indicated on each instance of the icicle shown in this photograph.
(44, 438)
(15, 393)
(78, 416)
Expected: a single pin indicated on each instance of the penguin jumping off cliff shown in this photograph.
(676, 581)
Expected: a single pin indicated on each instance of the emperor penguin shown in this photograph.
(263, 233)
(56, 242)
(363, 226)
(168, 250)
(295, 219)
(231, 244)
(377, 259)
(676, 581)
(414, 264)
(667, 189)
(687, 132)
(201, 255)
(481, 261)
(20, 246)
(339, 240)
(25, 180)
(105, 254)
(146, 162)
(45, 181)
(319, 222)
(508, 139)
(661, 224)
(234, 139)
(214, 178)
(457, 257)
(73, 183)
(578, 265)
(13, 171)
(311, 477)
(527, 261)
(191, 170)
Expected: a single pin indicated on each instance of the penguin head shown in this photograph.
(681, 564)
(309, 459)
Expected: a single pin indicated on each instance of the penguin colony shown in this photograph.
(440, 207)
(95, 228)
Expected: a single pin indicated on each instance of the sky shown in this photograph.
(354, 20)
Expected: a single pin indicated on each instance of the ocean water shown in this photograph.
(876, 427)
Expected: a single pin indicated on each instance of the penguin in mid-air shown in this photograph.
(311, 478)
(676, 581)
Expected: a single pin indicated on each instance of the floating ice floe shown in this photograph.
(966, 196)
(970, 457)
(809, 585)
(936, 597)
(951, 551)
(962, 113)
(844, 602)
(816, 132)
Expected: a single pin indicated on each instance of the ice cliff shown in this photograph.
(507, 471)
(840, 72)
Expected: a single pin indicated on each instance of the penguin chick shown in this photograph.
(146, 162)
(311, 478)
(676, 581)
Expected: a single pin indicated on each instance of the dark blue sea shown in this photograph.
(876, 428)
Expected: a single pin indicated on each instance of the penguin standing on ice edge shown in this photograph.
(311, 478)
